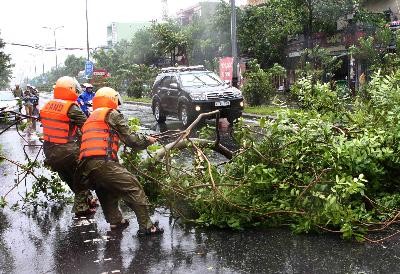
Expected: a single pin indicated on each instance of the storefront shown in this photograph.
(336, 45)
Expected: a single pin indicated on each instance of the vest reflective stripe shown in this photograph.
(98, 149)
(98, 139)
(57, 127)
(96, 130)
(49, 119)
(58, 140)
(54, 128)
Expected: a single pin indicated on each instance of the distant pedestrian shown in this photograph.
(362, 80)
(26, 99)
(85, 99)
(18, 94)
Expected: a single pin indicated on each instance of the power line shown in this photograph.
(41, 48)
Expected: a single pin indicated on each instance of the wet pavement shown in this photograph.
(52, 241)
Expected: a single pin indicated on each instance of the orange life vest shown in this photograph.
(98, 139)
(57, 126)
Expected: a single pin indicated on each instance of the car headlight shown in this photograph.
(198, 96)
(237, 93)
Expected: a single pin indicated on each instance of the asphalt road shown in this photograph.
(52, 241)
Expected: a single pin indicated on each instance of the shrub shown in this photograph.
(135, 80)
(258, 86)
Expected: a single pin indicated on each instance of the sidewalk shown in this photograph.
(244, 114)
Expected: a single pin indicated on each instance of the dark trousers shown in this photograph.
(113, 183)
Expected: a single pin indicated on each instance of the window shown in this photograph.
(165, 82)
(173, 80)
(200, 79)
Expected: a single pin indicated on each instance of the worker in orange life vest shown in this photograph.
(99, 166)
(62, 119)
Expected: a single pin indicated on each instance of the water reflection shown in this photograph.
(148, 254)
(6, 257)
(46, 219)
(113, 258)
(279, 251)
(74, 249)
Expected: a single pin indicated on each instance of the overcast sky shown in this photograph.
(22, 21)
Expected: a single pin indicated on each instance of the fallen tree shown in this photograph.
(329, 167)
(326, 169)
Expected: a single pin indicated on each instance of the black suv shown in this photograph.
(188, 91)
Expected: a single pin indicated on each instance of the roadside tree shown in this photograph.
(258, 87)
(5, 66)
(73, 65)
(321, 15)
(263, 30)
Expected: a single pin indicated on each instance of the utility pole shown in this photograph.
(43, 64)
(235, 77)
(164, 10)
(87, 32)
(55, 40)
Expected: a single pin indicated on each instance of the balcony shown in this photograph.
(335, 43)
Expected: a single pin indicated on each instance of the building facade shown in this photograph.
(117, 32)
(389, 7)
(256, 2)
(202, 9)
(337, 44)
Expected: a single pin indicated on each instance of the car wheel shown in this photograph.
(185, 116)
(158, 113)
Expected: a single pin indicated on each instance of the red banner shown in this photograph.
(226, 68)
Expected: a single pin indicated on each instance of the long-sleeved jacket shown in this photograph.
(83, 101)
(78, 118)
(117, 122)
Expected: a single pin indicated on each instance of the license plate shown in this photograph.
(222, 103)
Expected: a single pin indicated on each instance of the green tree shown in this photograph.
(321, 15)
(112, 59)
(221, 24)
(202, 42)
(258, 86)
(133, 79)
(372, 51)
(5, 66)
(262, 30)
(143, 49)
(73, 65)
(171, 41)
(318, 64)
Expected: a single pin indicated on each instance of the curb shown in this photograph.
(244, 114)
(138, 103)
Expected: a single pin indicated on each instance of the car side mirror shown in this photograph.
(173, 85)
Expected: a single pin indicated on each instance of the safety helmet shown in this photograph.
(67, 88)
(87, 85)
(106, 97)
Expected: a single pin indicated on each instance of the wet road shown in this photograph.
(52, 241)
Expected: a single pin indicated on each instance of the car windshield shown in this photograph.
(6, 96)
(200, 79)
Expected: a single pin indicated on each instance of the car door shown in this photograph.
(163, 88)
(173, 94)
